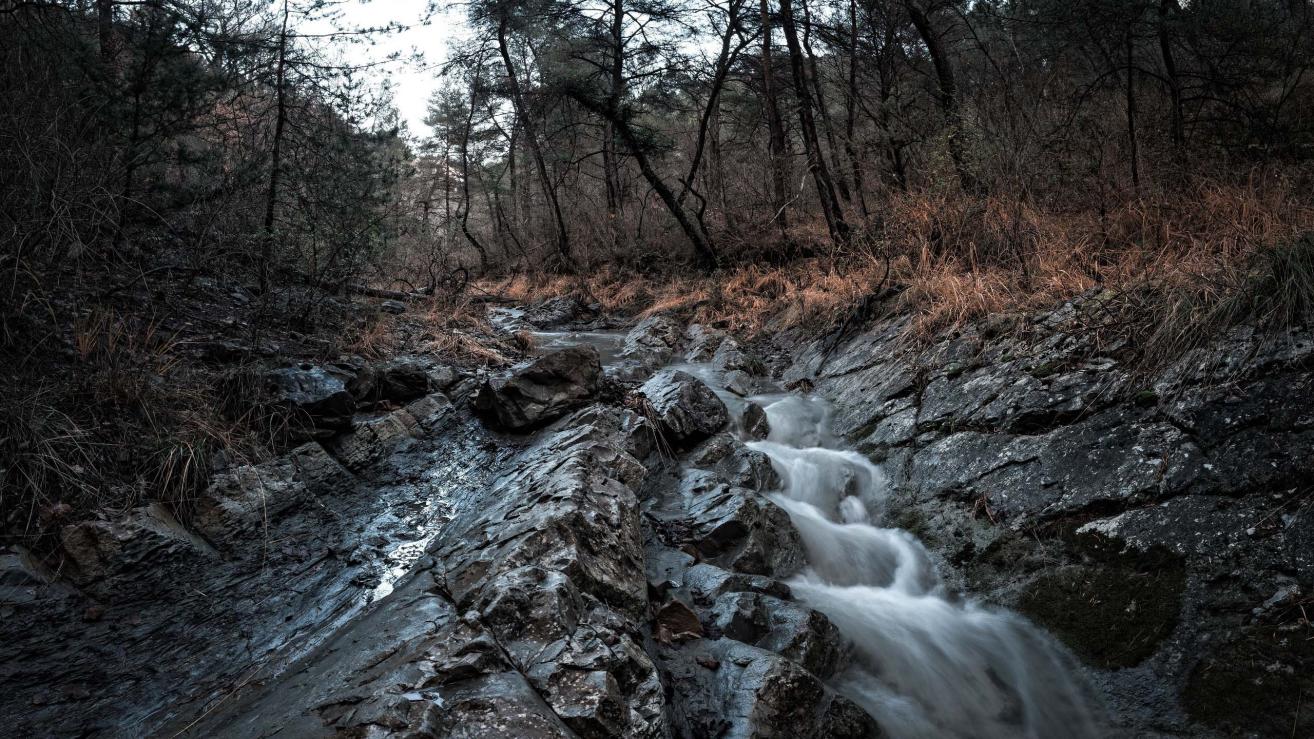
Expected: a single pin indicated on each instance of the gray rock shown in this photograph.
(403, 379)
(730, 357)
(373, 438)
(786, 628)
(1112, 458)
(685, 410)
(556, 312)
(706, 582)
(395, 307)
(732, 463)
(702, 342)
(727, 688)
(552, 560)
(755, 422)
(240, 499)
(541, 392)
(317, 398)
(653, 341)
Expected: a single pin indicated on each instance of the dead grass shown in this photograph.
(953, 259)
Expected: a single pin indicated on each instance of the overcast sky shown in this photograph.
(412, 82)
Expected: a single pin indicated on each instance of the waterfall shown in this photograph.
(925, 665)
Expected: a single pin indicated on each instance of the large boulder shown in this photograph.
(541, 392)
(684, 408)
(317, 398)
(558, 311)
(653, 341)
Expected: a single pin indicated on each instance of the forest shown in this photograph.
(687, 368)
(803, 162)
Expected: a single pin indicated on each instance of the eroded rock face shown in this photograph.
(685, 409)
(553, 564)
(1138, 518)
(242, 499)
(541, 392)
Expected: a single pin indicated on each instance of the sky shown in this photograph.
(412, 82)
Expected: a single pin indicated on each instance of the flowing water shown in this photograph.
(927, 664)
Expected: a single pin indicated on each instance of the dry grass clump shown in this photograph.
(454, 328)
(951, 259)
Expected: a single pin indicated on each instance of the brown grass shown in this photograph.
(956, 258)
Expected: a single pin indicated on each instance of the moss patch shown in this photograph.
(1261, 681)
(1110, 615)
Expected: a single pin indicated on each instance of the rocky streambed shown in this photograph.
(665, 533)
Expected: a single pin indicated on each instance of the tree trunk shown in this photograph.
(105, 34)
(851, 110)
(818, 90)
(1177, 133)
(944, 75)
(610, 162)
(1133, 145)
(702, 245)
(717, 178)
(777, 147)
(839, 229)
(275, 154)
(465, 182)
(518, 102)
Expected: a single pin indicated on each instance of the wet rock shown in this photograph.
(685, 410)
(784, 627)
(1111, 459)
(403, 379)
(735, 528)
(702, 342)
(1255, 682)
(443, 376)
(675, 621)
(752, 693)
(731, 357)
(629, 372)
(653, 341)
(317, 398)
(707, 582)
(1111, 614)
(241, 499)
(399, 380)
(552, 558)
(541, 392)
(376, 437)
(755, 422)
(725, 459)
(558, 311)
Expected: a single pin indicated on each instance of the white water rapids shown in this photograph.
(925, 665)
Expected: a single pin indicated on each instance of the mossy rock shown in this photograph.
(1111, 616)
(1258, 683)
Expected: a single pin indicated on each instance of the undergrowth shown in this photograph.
(1174, 270)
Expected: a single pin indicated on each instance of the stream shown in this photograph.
(928, 662)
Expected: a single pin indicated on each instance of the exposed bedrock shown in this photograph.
(1158, 523)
